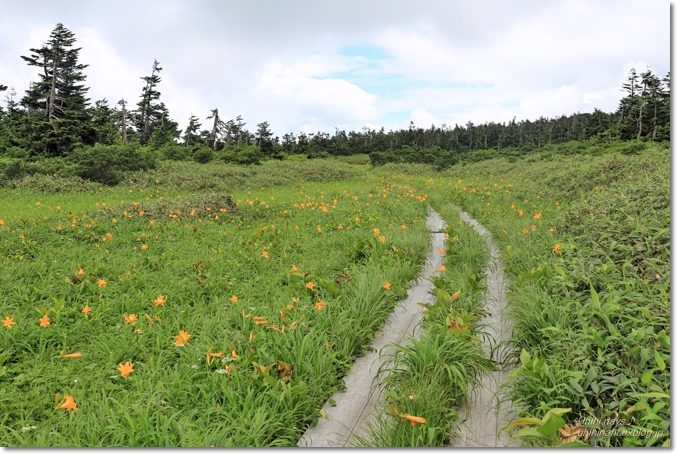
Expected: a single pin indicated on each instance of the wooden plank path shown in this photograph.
(356, 406)
(484, 416)
(357, 403)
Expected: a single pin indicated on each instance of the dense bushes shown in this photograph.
(106, 163)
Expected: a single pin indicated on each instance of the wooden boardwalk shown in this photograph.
(353, 409)
(355, 405)
(484, 416)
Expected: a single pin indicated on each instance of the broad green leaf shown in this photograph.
(524, 357)
(594, 297)
(664, 340)
(553, 423)
(660, 362)
(647, 377)
(332, 288)
(530, 432)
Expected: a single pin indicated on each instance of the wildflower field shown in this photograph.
(218, 305)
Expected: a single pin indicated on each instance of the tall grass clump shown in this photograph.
(429, 378)
(586, 245)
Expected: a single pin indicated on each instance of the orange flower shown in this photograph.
(130, 319)
(442, 268)
(2, 223)
(382, 239)
(520, 213)
(69, 356)
(80, 272)
(413, 419)
(319, 305)
(125, 369)
(233, 354)
(8, 322)
(210, 355)
(182, 338)
(44, 321)
(160, 300)
(141, 213)
(310, 285)
(533, 227)
(234, 299)
(551, 231)
(70, 404)
(556, 249)
(525, 231)
(87, 310)
(319, 229)
(264, 254)
(442, 251)
(294, 269)
(537, 216)
(387, 286)
(144, 247)
(102, 283)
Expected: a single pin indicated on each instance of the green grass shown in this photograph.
(588, 260)
(430, 377)
(268, 384)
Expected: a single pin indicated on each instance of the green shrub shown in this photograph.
(106, 163)
(241, 154)
(203, 155)
(175, 152)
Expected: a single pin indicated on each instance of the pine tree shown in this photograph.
(191, 132)
(56, 105)
(152, 122)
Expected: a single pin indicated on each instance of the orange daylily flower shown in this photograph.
(442, 251)
(264, 254)
(130, 318)
(182, 338)
(144, 247)
(294, 269)
(233, 354)
(8, 322)
(443, 268)
(411, 418)
(80, 272)
(382, 239)
(125, 369)
(520, 213)
(525, 231)
(210, 355)
(533, 227)
(310, 285)
(69, 404)
(160, 300)
(69, 356)
(556, 249)
(376, 231)
(319, 305)
(319, 229)
(102, 283)
(387, 286)
(234, 299)
(87, 310)
(44, 321)
(537, 216)
(252, 336)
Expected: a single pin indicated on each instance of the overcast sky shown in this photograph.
(320, 65)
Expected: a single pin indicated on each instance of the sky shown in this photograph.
(317, 66)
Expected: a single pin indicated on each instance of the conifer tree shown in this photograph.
(56, 105)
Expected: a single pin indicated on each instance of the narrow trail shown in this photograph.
(484, 416)
(354, 408)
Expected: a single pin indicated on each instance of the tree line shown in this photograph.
(55, 118)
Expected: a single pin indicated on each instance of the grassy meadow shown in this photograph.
(220, 305)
